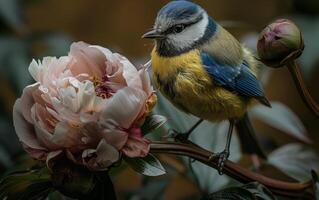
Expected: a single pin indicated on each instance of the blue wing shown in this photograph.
(237, 79)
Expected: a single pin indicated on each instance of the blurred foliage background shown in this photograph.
(288, 132)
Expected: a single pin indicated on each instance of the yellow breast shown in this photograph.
(168, 66)
(184, 81)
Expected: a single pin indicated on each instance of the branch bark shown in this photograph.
(296, 74)
(304, 190)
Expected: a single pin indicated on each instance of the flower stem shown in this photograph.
(282, 188)
(296, 74)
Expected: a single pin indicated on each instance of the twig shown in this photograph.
(282, 188)
(302, 88)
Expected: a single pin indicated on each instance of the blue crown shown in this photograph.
(179, 10)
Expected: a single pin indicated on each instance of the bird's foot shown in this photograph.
(222, 157)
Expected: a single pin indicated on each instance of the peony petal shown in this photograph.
(54, 68)
(69, 98)
(34, 70)
(76, 158)
(64, 112)
(124, 107)
(114, 74)
(116, 138)
(40, 115)
(106, 52)
(89, 102)
(106, 154)
(136, 133)
(146, 82)
(101, 158)
(48, 71)
(93, 133)
(136, 147)
(27, 101)
(66, 136)
(87, 60)
(51, 156)
(130, 73)
(35, 153)
(44, 137)
(25, 131)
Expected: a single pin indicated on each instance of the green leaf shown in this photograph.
(152, 188)
(149, 165)
(10, 11)
(56, 196)
(10, 145)
(36, 191)
(295, 160)
(152, 123)
(5, 159)
(259, 191)
(252, 191)
(14, 61)
(282, 118)
(29, 185)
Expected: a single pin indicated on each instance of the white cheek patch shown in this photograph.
(190, 34)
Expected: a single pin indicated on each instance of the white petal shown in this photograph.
(43, 136)
(116, 138)
(69, 98)
(124, 106)
(53, 113)
(27, 100)
(146, 82)
(101, 158)
(66, 136)
(52, 155)
(108, 54)
(34, 70)
(86, 60)
(106, 154)
(130, 73)
(25, 131)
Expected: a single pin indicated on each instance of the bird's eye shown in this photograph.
(178, 28)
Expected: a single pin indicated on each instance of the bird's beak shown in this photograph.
(153, 34)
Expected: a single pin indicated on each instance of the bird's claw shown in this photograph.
(222, 157)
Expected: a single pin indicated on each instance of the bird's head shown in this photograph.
(181, 26)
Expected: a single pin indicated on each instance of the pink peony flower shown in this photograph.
(87, 106)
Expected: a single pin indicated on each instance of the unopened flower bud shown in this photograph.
(280, 42)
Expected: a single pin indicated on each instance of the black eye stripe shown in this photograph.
(176, 29)
(177, 26)
(185, 25)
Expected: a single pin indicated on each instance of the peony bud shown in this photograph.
(280, 42)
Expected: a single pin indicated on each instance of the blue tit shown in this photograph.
(203, 70)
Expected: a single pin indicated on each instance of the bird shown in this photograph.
(205, 71)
